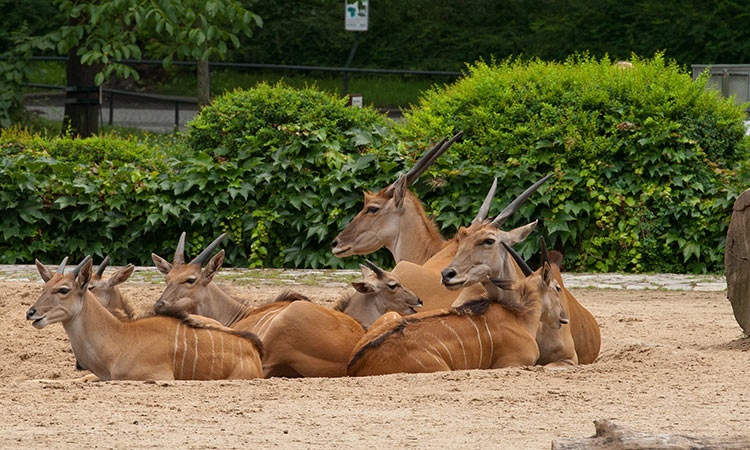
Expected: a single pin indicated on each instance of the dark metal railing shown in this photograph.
(112, 94)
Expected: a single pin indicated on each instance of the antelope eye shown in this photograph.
(393, 286)
(372, 209)
(63, 291)
(190, 281)
(489, 241)
(91, 287)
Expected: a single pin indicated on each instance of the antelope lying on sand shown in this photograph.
(394, 218)
(300, 338)
(153, 348)
(425, 279)
(482, 254)
(484, 334)
(107, 291)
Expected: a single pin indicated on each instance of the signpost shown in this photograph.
(355, 19)
(355, 15)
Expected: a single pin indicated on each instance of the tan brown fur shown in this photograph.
(151, 348)
(479, 335)
(301, 338)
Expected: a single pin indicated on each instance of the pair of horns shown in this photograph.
(202, 258)
(102, 266)
(61, 268)
(512, 207)
(428, 159)
(521, 262)
(377, 270)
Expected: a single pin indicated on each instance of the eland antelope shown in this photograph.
(152, 348)
(487, 333)
(107, 291)
(425, 280)
(300, 338)
(483, 253)
(395, 219)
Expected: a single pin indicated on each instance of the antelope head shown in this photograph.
(379, 222)
(62, 298)
(480, 253)
(187, 283)
(541, 285)
(386, 290)
(104, 288)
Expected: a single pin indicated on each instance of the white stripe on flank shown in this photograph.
(479, 339)
(436, 355)
(489, 336)
(460, 341)
(195, 357)
(268, 318)
(213, 357)
(176, 347)
(241, 353)
(184, 355)
(414, 357)
(223, 353)
(448, 352)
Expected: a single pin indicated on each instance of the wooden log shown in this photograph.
(610, 436)
(737, 261)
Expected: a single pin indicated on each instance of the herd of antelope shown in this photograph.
(480, 306)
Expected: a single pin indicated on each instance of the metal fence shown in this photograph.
(109, 99)
(732, 80)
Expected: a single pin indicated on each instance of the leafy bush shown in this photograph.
(60, 198)
(647, 162)
(283, 170)
(647, 165)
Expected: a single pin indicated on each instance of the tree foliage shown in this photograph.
(446, 35)
(647, 162)
(104, 35)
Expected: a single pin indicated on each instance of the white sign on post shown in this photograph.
(355, 15)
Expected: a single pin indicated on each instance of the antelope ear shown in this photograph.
(121, 275)
(161, 264)
(43, 271)
(399, 190)
(362, 287)
(84, 275)
(547, 273)
(213, 266)
(517, 235)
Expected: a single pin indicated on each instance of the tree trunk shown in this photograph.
(737, 261)
(204, 84)
(82, 102)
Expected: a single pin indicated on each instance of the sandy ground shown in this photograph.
(671, 362)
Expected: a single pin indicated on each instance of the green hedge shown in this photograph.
(281, 169)
(647, 162)
(647, 165)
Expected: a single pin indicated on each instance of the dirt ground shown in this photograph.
(671, 362)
